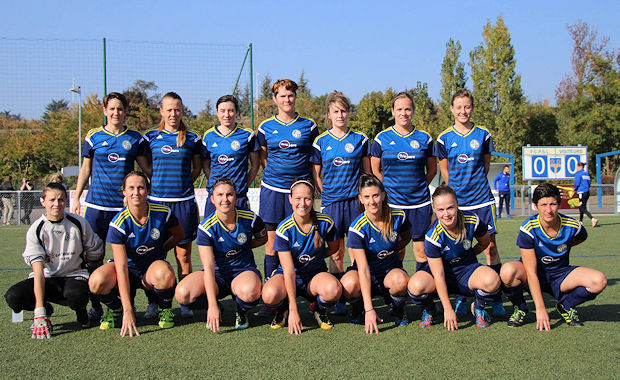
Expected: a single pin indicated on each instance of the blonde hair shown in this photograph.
(339, 98)
(182, 127)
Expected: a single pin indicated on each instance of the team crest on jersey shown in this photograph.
(393, 236)
(561, 248)
(414, 144)
(474, 144)
(242, 238)
(466, 244)
(126, 144)
(348, 147)
(383, 254)
(235, 145)
(296, 133)
(155, 234)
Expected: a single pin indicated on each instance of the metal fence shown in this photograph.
(21, 207)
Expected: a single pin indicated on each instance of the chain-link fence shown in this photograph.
(21, 207)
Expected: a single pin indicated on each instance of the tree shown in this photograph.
(425, 115)
(7, 115)
(453, 78)
(499, 101)
(265, 88)
(302, 85)
(374, 113)
(54, 106)
(541, 125)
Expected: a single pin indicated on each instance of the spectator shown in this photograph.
(7, 200)
(502, 185)
(27, 200)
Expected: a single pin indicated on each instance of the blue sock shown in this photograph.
(150, 296)
(281, 306)
(576, 297)
(398, 301)
(322, 304)
(482, 298)
(496, 267)
(243, 306)
(515, 295)
(425, 300)
(164, 297)
(111, 299)
(271, 264)
(461, 298)
(198, 304)
(419, 266)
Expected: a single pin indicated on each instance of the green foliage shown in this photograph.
(302, 85)
(374, 113)
(54, 106)
(541, 125)
(265, 88)
(453, 78)
(425, 115)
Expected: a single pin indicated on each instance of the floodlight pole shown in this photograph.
(78, 90)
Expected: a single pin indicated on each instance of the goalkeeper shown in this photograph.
(58, 246)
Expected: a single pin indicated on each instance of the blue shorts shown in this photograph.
(187, 214)
(242, 202)
(377, 277)
(457, 278)
(302, 282)
(343, 213)
(487, 215)
(551, 280)
(224, 280)
(274, 207)
(99, 220)
(420, 219)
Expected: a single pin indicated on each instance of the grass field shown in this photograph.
(188, 350)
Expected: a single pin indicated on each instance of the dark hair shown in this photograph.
(54, 186)
(460, 217)
(506, 166)
(182, 127)
(462, 93)
(139, 174)
(228, 98)
(370, 180)
(582, 164)
(401, 95)
(116, 95)
(545, 190)
(224, 181)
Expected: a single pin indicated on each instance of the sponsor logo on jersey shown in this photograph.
(232, 253)
(286, 144)
(540, 244)
(221, 239)
(339, 161)
(549, 259)
(392, 143)
(404, 156)
(372, 240)
(214, 145)
(235, 145)
(466, 244)
(454, 145)
(131, 235)
(474, 144)
(454, 260)
(141, 250)
(296, 133)
(155, 234)
(414, 144)
(463, 158)
(242, 238)
(114, 157)
(159, 137)
(126, 144)
(446, 248)
(348, 147)
(383, 254)
(328, 148)
(296, 244)
(275, 132)
(305, 258)
(222, 159)
(105, 143)
(561, 248)
(167, 149)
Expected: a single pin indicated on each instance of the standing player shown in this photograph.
(402, 158)
(502, 185)
(286, 144)
(464, 152)
(582, 187)
(545, 240)
(374, 240)
(342, 155)
(225, 241)
(108, 154)
(452, 264)
(176, 164)
(58, 245)
(225, 153)
(140, 236)
(300, 242)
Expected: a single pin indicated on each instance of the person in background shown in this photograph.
(582, 187)
(7, 200)
(27, 200)
(501, 183)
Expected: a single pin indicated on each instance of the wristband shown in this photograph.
(369, 310)
(39, 312)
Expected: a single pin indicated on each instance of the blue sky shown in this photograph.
(355, 47)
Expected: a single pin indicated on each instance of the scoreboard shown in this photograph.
(542, 163)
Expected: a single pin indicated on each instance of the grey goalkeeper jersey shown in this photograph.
(63, 246)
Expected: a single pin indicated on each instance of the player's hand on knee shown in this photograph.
(41, 326)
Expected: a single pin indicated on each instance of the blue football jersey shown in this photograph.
(307, 259)
(231, 249)
(551, 252)
(465, 155)
(113, 156)
(341, 162)
(172, 166)
(403, 162)
(380, 253)
(439, 243)
(228, 155)
(582, 182)
(144, 242)
(289, 146)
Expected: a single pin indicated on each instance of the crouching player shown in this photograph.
(300, 243)
(452, 264)
(545, 240)
(58, 246)
(225, 241)
(140, 236)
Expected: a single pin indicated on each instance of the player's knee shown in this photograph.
(332, 290)
(98, 284)
(491, 282)
(271, 295)
(13, 299)
(248, 292)
(417, 285)
(509, 274)
(350, 286)
(599, 282)
(182, 294)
